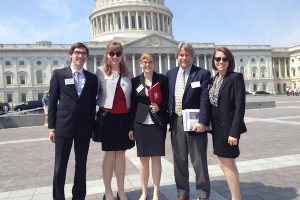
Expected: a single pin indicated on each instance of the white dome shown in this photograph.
(127, 20)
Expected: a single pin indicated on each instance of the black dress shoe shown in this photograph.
(104, 198)
(118, 197)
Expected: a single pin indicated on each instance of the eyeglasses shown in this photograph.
(147, 62)
(218, 59)
(112, 54)
(77, 53)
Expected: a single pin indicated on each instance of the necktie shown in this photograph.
(179, 92)
(77, 83)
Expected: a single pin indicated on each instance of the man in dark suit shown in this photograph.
(71, 115)
(188, 89)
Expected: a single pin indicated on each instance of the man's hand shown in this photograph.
(52, 136)
(199, 128)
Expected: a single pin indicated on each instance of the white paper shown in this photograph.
(69, 81)
(190, 118)
(196, 84)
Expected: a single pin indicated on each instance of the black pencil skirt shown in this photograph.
(150, 139)
(115, 133)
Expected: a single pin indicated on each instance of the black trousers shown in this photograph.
(63, 148)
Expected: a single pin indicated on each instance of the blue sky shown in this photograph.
(224, 22)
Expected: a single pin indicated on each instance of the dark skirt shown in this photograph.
(150, 139)
(115, 134)
(220, 138)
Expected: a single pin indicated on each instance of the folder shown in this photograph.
(155, 94)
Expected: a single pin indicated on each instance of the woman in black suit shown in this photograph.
(149, 123)
(227, 97)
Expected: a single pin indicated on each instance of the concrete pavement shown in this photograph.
(269, 162)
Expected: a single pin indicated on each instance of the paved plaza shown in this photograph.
(269, 163)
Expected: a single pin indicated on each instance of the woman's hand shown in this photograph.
(131, 135)
(232, 141)
(154, 108)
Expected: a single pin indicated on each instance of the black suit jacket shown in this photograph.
(69, 114)
(140, 102)
(231, 104)
(193, 98)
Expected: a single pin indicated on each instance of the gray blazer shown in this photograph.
(107, 87)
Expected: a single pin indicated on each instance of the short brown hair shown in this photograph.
(228, 54)
(147, 56)
(78, 45)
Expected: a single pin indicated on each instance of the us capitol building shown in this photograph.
(141, 26)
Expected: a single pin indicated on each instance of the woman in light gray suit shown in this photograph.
(114, 92)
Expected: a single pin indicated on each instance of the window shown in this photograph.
(241, 60)
(253, 60)
(7, 63)
(8, 79)
(262, 60)
(254, 87)
(292, 60)
(23, 97)
(22, 79)
(133, 25)
(55, 62)
(294, 72)
(40, 95)
(126, 22)
(21, 63)
(140, 22)
(9, 98)
(242, 70)
(38, 62)
(39, 76)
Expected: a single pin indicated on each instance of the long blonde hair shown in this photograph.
(114, 46)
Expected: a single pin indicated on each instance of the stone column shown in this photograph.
(279, 68)
(159, 63)
(95, 63)
(158, 22)
(286, 67)
(145, 21)
(107, 23)
(137, 20)
(152, 22)
(205, 61)
(169, 61)
(197, 60)
(101, 24)
(122, 21)
(133, 65)
(163, 23)
(114, 24)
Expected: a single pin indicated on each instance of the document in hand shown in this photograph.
(155, 94)
(190, 118)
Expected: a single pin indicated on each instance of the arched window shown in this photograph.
(279, 88)
(39, 76)
(294, 71)
(22, 78)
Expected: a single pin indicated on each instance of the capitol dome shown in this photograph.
(128, 20)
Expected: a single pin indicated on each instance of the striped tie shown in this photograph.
(179, 92)
(77, 83)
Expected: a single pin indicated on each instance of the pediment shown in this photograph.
(153, 40)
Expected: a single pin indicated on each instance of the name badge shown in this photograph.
(140, 88)
(196, 84)
(69, 81)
